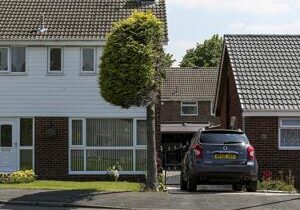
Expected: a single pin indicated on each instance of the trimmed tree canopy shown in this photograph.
(131, 66)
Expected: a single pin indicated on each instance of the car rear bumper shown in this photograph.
(226, 174)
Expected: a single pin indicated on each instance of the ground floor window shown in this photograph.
(26, 143)
(289, 133)
(95, 145)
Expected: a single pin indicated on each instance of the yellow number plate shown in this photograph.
(225, 156)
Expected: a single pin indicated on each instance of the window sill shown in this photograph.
(189, 115)
(87, 74)
(289, 148)
(13, 73)
(55, 73)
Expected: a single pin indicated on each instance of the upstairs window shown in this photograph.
(12, 59)
(189, 108)
(18, 59)
(289, 133)
(3, 59)
(88, 60)
(55, 59)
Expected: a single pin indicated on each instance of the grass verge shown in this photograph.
(68, 185)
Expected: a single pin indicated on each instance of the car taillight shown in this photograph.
(198, 151)
(251, 153)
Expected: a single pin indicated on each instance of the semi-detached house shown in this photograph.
(52, 117)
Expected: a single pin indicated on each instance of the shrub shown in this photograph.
(18, 177)
(283, 183)
(113, 172)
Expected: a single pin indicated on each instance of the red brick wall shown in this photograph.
(51, 154)
(170, 111)
(230, 103)
(263, 135)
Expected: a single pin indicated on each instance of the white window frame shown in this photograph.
(81, 60)
(185, 105)
(9, 57)
(281, 126)
(58, 71)
(8, 60)
(32, 148)
(83, 147)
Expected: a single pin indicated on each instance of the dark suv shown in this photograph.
(219, 157)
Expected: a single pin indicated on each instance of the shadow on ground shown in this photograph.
(54, 197)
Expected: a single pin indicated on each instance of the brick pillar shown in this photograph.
(51, 147)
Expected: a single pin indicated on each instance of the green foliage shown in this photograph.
(132, 62)
(169, 60)
(26, 176)
(161, 182)
(276, 185)
(113, 172)
(207, 54)
(283, 183)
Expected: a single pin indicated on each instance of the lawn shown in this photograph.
(66, 185)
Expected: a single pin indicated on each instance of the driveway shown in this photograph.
(211, 199)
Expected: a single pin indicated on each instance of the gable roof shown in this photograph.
(68, 19)
(266, 69)
(190, 84)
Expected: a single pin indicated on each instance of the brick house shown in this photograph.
(258, 92)
(52, 117)
(187, 99)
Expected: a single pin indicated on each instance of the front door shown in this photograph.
(8, 146)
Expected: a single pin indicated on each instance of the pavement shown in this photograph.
(207, 197)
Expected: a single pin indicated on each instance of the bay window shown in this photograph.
(98, 144)
(289, 133)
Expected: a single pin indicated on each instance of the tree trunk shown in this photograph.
(152, 183)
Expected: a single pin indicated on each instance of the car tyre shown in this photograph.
(251, 186)
(191, 183)
(183, 184)
(237, 187)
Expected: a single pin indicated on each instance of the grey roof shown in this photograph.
(68, 19)
(190, 84)
(266, 70)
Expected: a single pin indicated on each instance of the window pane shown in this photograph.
(291, 122)
(55, 59)
(290, 137)
(189, 110)
(77, 132)
(18, 59)
(6, 136)
(26, 132)
(88, 59)
(102, 160)
(3, 59)
(77, 160)
(141, 132)
(26, 159)
(141, 160)
(109, 132)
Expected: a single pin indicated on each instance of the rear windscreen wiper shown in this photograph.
(232, 142)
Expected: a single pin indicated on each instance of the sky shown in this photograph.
(192, 21)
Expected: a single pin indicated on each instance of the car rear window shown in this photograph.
(223, 138)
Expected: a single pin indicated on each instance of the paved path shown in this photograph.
(203, 199)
